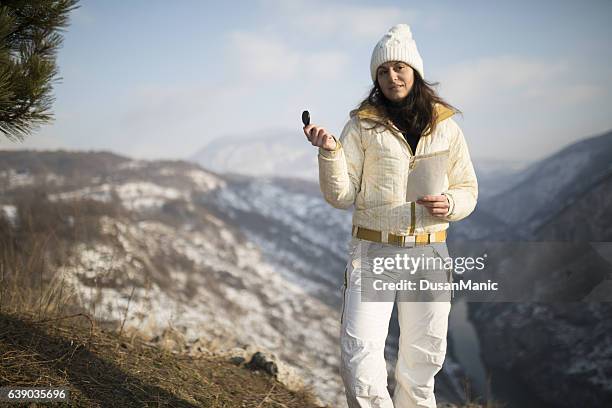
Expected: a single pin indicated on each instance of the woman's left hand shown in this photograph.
(437, 205)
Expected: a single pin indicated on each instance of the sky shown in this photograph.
(160, 80)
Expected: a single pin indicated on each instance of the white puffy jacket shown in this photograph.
(370, 169)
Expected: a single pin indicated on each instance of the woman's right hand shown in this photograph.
(320, 137)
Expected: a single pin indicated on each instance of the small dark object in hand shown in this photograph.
(306, 118)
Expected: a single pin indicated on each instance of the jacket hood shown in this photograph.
(443, 112)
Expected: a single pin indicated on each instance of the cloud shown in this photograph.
(572, 94)
(161, 118)
(325, 19)
(520, 106)
(311, 40)
(516, 80)
(158, 120)
(325, 65)
(265, 57)
(166, 103)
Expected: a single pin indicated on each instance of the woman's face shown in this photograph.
(395, 79)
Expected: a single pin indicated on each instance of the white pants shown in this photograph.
(422, 342)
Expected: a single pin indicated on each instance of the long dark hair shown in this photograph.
(416, 114)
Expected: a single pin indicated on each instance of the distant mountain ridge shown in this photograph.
(289, 154)
(545, 187)
(272, 153)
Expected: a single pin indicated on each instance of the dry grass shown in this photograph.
(47, 340)
(31, 251)
(103, 369)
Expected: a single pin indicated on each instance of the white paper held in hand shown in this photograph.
(427, 175)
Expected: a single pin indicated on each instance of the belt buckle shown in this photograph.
(401, 240)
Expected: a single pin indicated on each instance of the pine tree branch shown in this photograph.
(29, 41)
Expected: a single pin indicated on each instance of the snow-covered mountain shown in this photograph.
(293, 226)
(270, 153)
(496, 175)
(548, 186)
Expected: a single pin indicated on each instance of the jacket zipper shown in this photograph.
(410, 165)
(412, 154)
(404, 139)
(410, 148)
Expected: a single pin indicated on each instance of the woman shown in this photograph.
(369, 167)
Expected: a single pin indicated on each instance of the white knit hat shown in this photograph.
(396, 45)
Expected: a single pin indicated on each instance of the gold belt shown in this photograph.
(399, 240)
